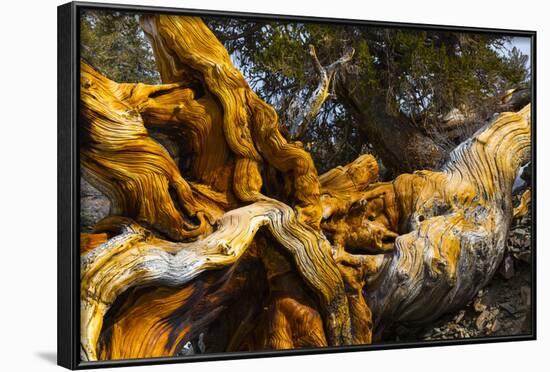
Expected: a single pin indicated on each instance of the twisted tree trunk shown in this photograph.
(201, 240)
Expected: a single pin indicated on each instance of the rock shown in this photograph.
(187, 349)
(496, 326)
(200, 343)
(524, 256)
(507, 267)
(459, 316)
(509, 307)
(482, 320)
(485, 321)
(93, 206)
(525, 293)
(479, 306)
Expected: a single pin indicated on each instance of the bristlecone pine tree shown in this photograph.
(230, 235)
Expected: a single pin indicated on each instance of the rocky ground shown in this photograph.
(93, 206)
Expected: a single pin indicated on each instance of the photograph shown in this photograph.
(256, 185)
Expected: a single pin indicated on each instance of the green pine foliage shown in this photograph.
(114, 43)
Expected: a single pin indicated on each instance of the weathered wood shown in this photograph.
(189, 52)
(137, 258)
(118, 144)
(301, 114)
(453, 225)
(337, 258)
(161, 320)
(523, 208)
(134, 171)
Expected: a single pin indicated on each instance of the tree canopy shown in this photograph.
(419, 79)
(114, 43)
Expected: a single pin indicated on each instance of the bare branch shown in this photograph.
(307, 111)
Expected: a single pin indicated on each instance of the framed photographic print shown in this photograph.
(236, 185)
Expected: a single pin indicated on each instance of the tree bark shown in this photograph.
(194, 248)
(453, 225)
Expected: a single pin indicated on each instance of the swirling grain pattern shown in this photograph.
(340, 258)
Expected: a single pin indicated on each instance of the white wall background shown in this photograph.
(28, 184)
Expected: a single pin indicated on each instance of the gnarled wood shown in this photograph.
(137, 258)
(136, 173)
(189, 51)
(193, 247)
(453, 225)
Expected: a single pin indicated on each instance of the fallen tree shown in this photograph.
(221, 229)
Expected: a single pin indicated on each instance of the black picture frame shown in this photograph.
(68, 313)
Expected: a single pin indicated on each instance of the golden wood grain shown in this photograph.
(332, 262)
